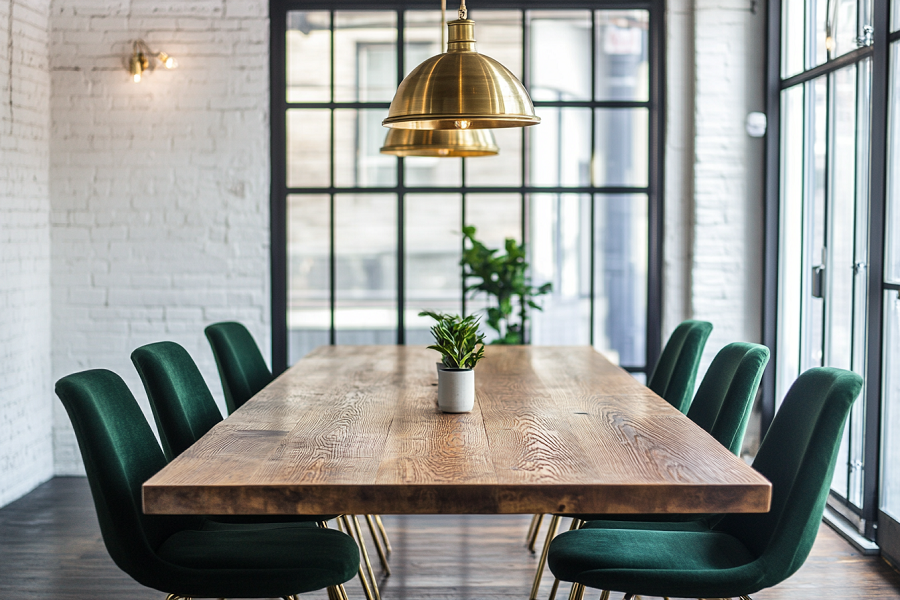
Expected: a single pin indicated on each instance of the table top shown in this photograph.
(357, 430)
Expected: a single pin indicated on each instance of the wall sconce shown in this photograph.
(140, 62)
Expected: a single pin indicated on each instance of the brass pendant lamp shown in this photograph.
(461, 89)
(440, 142)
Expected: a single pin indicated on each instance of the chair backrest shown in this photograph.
(120, 453)
(725, 397)
(675, 372)
(242, 369)
(798, 456)
(182, 404)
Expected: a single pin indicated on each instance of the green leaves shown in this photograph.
(457, 339)
(504, 277)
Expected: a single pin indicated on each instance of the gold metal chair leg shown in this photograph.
(384, 535)
(534, 534)
(576, 524)
(604, 595)
(577, 592)
(534, 519)
(381, 555)
(344, 525)
(341, 590)
(365, 553)
(551, 532)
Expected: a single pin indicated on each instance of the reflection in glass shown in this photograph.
(892, 233)
(308, 148)
(365, 56)
(433, 250)
(793, 24)
(561, 147)
(308, 56)
(620, 276)
(559, 252)
(504, 169)
(621, 64)
(790, 240)
(365, 238)
(622, 147)
(843, 27)
(557, 34)
(890, 426)
(358, 162)
(495, 217)
(309, 315)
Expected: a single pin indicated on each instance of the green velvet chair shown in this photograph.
(738, 554)
(676, 370)
(185, 556)
(721, 407)
(242, 369)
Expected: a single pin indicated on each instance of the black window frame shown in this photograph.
(279, 191)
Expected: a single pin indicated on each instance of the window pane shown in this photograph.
(308, 56)
(495, 218)
(620, 277)
(429, 171)
(365, 239)
(498, 34)
(365, 56)
(622, 65)
(895, 15)
(814, 232)
(890, 427)
(892, 245)
(554, 35)
(421, 37)
(622, 147)
(792, 27)
(843, 28)
(790, 240)
(818, 52)
(358, 161)
(561, 147)
(308, 148)
(559, 252)
(309, 315)
(433, 251)
(504, 169)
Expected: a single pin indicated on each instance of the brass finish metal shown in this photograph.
(384, 535)
(440, 142)
(604, 595)
(365, 553)
(381, 554)
(551, 533)
(534, 520)
(534, 533)
(576, 524)
(577, 592)
(461, 89)
(348, 529)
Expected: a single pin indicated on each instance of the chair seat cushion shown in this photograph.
(699, 563)
(267, 559)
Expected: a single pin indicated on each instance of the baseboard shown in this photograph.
(864, 546)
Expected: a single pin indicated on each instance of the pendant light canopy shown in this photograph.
(440, 142)
(461, 89)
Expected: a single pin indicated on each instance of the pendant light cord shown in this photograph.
(443, 26)
(463, 13)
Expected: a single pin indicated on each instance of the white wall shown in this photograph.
(26, 396)
(159, 190)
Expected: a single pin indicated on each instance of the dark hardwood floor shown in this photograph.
(50, 549)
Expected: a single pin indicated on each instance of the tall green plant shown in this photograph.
(457, 339)
(505, 278)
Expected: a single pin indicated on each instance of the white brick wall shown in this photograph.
(159, 190)
(26, 396)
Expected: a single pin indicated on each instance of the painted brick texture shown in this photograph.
(26, 396)
(159, 190)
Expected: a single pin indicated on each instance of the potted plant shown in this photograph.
(505, 277)
(461, 346)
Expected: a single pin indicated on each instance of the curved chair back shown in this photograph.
(182, 404)
(725, 397)
(798, 456)
(120, 453)
(675, 372)
(242, 369)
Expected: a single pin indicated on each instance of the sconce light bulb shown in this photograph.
(168, 62)
(137, 77)
(829, 43)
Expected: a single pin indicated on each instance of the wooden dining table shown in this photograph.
(357, 430)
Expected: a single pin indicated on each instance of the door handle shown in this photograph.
(817, 284)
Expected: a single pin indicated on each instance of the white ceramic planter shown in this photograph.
(456, 390)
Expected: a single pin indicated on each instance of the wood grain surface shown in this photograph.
(357, 430)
